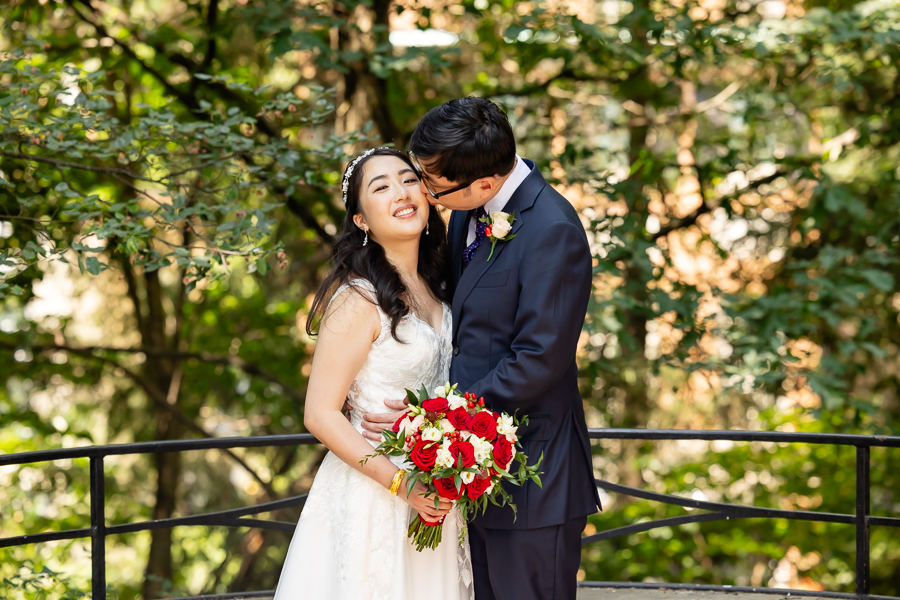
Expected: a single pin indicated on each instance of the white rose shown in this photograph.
(446, 425)
(440, 391)
(444, 459)
(456, 401)
(467, 477)
(500, 225)
(404, 426)
(431, 434)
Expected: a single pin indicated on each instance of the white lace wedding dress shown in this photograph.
(351, 541)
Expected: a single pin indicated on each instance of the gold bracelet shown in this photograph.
(395, 482)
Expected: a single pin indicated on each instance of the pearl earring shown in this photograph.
(427, 225)
(366, 240)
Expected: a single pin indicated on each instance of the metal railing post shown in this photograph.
(98, 530)
(862, 520)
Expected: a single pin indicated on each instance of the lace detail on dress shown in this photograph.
(464, 555)
(351, 542)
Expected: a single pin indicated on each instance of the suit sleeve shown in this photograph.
(555, 279)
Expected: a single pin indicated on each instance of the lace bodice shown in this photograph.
(392, 367)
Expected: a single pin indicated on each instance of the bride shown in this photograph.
(383, 326)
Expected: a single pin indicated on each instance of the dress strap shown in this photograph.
(361, 283)
(368, 290)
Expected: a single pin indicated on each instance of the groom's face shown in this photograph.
(472, 196)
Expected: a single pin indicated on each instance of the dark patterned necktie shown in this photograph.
(480, 226)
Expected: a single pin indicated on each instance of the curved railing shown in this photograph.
(862, 520)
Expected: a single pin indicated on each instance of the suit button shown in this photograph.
(455, 350)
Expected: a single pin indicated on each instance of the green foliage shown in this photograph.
(206, 183)
(168, 193)
(42, 583)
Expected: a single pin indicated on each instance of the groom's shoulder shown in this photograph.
(551, 206)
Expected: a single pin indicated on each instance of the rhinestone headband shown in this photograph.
(345, 185)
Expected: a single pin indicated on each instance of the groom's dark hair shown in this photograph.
(464, 139)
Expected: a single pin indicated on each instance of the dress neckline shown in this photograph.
(437, 333)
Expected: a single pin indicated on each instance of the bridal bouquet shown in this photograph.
(460, 451)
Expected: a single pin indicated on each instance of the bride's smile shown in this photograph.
(406, 212)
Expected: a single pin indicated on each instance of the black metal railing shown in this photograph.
(98, 531)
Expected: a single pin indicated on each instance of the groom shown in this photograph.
(517, 317)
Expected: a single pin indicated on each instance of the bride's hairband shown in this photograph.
(346, 183)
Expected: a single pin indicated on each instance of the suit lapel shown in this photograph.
(522, 200)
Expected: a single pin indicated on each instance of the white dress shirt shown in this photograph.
(498, 202)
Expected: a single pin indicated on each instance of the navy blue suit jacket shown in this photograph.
(516, 323)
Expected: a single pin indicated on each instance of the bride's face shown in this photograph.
(391, 203)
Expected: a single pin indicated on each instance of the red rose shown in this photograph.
(423, 454)
(464, 450)
(396, 427)
(478, 486)
(446, 488)
(503, 452)
(459, 418)
(484, 425)
(436, 405)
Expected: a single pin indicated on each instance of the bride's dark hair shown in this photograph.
(351, 259)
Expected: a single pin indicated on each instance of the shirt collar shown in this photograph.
(519, 173)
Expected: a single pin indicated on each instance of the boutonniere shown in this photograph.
(498, 227)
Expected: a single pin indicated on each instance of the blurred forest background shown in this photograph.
(169, 177)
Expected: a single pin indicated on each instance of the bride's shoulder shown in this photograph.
(352, 307)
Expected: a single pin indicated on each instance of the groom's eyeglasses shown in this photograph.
(421, 173)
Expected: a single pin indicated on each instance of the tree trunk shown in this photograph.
(363, 95)
(165, 377)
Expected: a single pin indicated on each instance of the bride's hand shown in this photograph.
(423, 504)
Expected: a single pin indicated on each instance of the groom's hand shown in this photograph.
(374, 423)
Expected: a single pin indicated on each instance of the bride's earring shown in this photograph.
(366, 241)
(427, 225)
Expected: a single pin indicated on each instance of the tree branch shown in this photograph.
(207, 357)
(568, 74)
(157, 397)
(705, 208)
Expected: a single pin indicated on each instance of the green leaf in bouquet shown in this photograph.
(413, 400)
(423, 393)
(443, 473)
(415, 475)
(503, 472)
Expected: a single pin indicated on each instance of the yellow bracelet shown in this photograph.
(395, 482)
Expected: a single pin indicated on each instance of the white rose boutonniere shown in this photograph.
(498, 227)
